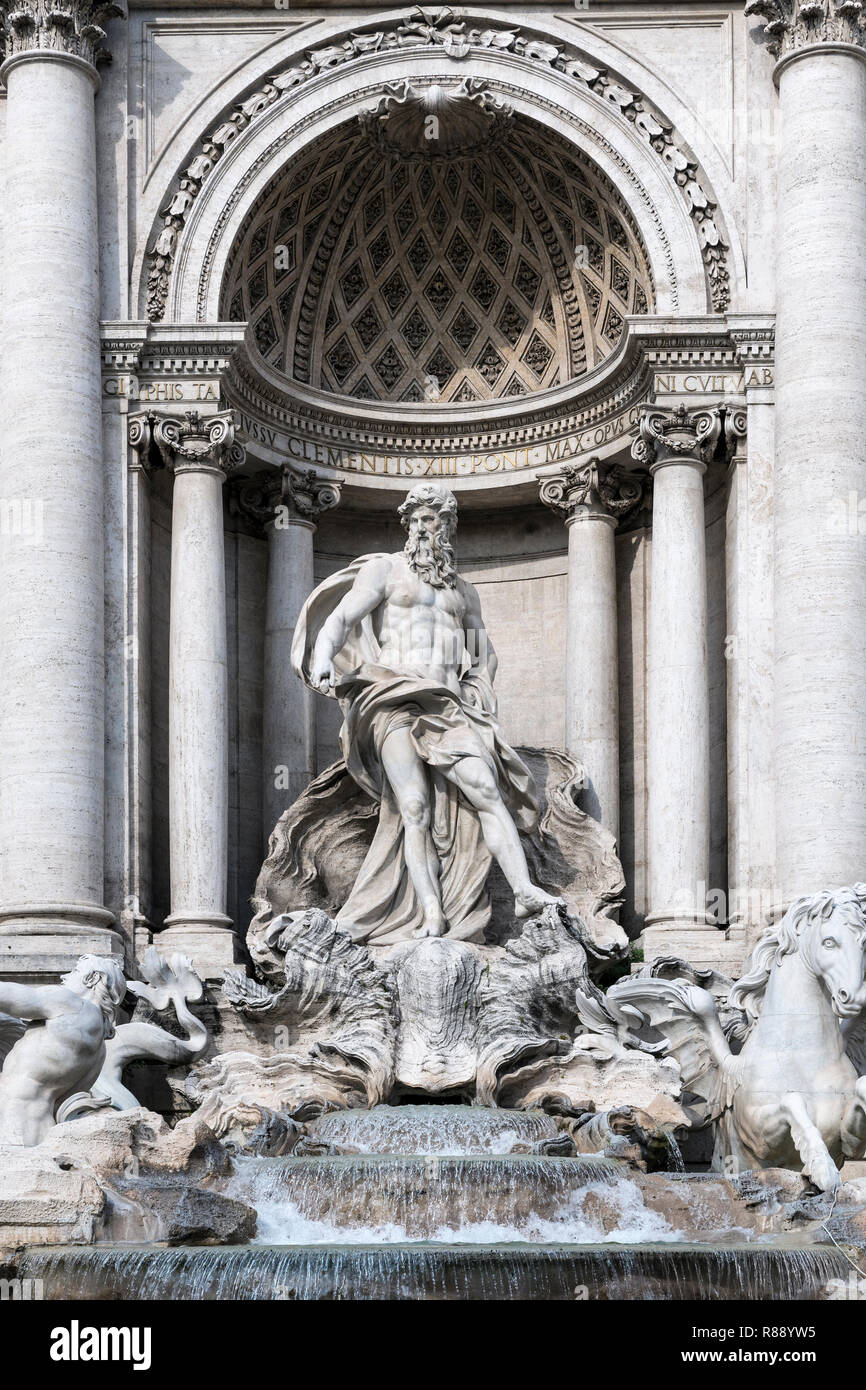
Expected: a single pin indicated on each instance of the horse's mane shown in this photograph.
(784, 938)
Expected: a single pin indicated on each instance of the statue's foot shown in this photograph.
(531, 900)
(434, 924)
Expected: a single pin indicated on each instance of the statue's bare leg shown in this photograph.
(408, 780)
(478, 784)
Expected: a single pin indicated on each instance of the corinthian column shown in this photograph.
(201, 454)
(285, 504)
(820, 558)
(591, 498)
(675, 445)
(52, 689)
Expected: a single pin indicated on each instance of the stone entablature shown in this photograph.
(175, 367)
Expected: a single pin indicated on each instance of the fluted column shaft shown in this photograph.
(591, 498)
(285, 504)
(820, 558)
(52, 691)
(199, 454)
(675, 445)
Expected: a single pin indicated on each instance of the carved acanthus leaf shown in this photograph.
(61, 26)
(792, 24)
(197, 440)
(591, 487)
(273, 497)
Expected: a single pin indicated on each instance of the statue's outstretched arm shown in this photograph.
(364, 597)
(35, 1001)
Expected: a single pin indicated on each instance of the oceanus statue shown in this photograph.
(399, 640)
(794, 1095)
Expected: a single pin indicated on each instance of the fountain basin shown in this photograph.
(436, 1272)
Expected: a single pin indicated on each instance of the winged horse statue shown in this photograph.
(794, 1094)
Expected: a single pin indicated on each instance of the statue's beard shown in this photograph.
(431, 556)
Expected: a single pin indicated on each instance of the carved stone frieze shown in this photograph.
(594, 487)
(790, 25)
(423, 30)
(58, 26)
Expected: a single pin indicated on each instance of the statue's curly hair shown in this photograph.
(434, 495)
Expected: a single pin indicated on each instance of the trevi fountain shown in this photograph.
(432, 652)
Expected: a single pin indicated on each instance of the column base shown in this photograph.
(207, 939)
(38, 944)
(702, 946)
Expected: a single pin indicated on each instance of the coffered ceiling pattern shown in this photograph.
(462, 279)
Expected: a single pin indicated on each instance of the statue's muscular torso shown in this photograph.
(422, 627)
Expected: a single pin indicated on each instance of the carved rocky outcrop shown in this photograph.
(319, 844)
(498, 1025)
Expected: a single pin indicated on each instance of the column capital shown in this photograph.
(791, 26)
(139, 433)
(194, 443)
(597, 489)
(280, 497)
(56, 28)
(676, 435)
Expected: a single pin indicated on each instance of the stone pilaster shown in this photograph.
(52, 687)
(675, 444)
(285, 504)
(819, 556)
(591, 498)
(201, 453)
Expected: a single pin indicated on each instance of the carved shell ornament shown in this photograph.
(439, 29)
(436, 122)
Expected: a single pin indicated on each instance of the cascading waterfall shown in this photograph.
(450, 1202)
(434, 1272)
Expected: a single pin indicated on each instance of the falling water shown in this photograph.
(435, 1272)
(477, 1200)
(433, 1129)
(433, 1202)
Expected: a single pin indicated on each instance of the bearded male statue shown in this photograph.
(400, 641)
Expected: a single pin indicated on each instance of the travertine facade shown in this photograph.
(267, 269)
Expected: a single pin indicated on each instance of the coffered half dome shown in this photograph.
(378, 271)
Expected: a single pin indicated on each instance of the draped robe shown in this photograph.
(383, 906)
